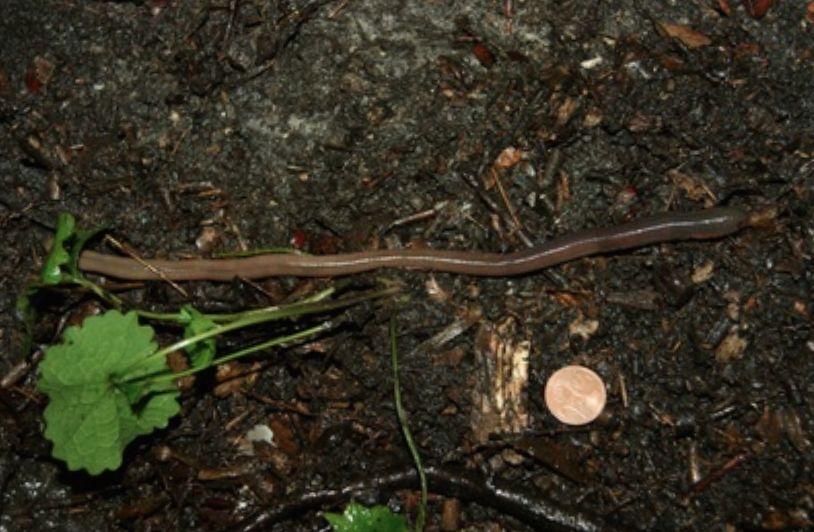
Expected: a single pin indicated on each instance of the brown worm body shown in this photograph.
(698, 225)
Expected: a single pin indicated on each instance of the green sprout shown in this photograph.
(358, 518)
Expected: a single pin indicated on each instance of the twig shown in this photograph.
(717, 474)
(125, 249)
(518, 226)
(494, 207)
(537, 511)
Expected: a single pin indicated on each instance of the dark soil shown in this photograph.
(350, 125)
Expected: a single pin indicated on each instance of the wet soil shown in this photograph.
(197, 128)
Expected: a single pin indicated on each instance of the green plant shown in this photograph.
(108, 381)
(405, 428)
(98, 402)
(358, 518)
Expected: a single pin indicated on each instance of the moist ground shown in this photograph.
(196, 128)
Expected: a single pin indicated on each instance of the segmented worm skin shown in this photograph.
(697, 225)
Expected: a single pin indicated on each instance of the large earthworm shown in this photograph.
(697, 225)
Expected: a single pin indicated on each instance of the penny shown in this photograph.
(575, 395)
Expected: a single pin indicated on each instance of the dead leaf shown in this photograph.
(483, 54)
(207, 239)
(695, 189)
(568, 299)
(703, 273)
(39, 74)
(730, 348)
(177, 361)
(757, 8)
(769, 426)
(435, 291)
(281, 425)
(509, 157)
(566, 110)
(794, 431)
(235, 377)
(583, 327)
(593, 117)
(689, 37)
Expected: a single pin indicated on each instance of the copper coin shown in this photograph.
(575, 395)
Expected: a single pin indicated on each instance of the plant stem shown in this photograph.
(103, 294)
(319, 296)
(254, 318)
(158, 316)
(405, 428)
(295, 337)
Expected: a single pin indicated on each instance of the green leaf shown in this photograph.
(59, 256)
(201, 354)
(92, 415)
(62, 262)
(358, 518)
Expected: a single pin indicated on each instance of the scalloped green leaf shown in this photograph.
(358, 518)
(101, 393)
